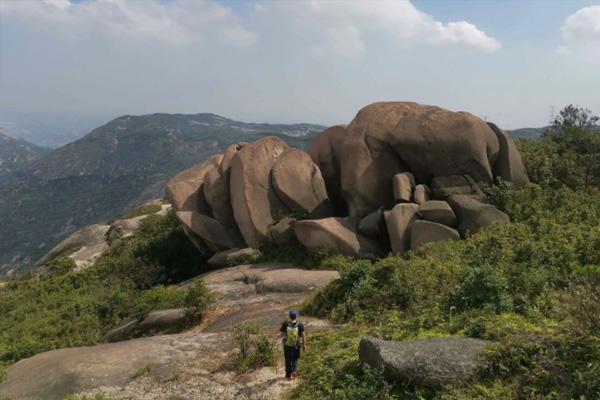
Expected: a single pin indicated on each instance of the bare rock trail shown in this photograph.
(188, 365)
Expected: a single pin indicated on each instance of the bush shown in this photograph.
(533, 285)
(483, 287)
(255, 348)
(142, 210)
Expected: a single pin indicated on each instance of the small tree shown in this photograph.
(576, 133)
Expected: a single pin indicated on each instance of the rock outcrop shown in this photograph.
(255, 203)
(474, 215)
(399, 222)
(298, 182)
(437, 211)
(185, 190)
(214, 234)
(509, 166)
(182, 365)
(423, 232)
(430, 362)
(358, 189)
(339, 235)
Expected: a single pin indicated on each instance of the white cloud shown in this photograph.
(174, 22)
(343, 25)
(581, 34)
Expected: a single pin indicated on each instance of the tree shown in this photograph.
(575, 132)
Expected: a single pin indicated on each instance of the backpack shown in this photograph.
(291, 335)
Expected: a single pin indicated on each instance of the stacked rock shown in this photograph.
(399, 176)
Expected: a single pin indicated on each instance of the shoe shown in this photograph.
(294, 375)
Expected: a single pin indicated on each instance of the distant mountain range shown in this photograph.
(16, 153)
(528, 133)
(110, 170)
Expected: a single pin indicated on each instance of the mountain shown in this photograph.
(110, 170)
(16, 153)
(528, 133)
(51, 131)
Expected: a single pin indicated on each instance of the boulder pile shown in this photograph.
(399, 176)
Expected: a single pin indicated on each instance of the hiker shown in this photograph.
(294, 338)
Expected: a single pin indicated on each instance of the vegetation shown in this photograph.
(255, 348)
(533, 286)
(67, 308)
(142, 210)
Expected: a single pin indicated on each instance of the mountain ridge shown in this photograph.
(16, 153)
(116, 166)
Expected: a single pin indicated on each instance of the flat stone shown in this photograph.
(399, 222)
(438, 211)
(338, 235)
(424, 232)
(216, 236)
(428, 362)
(474, 215)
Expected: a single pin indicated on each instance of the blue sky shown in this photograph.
(507, 61)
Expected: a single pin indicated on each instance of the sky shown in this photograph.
(510, 62)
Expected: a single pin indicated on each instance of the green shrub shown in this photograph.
(255, 348)
(142, 210)
(197, 296)
(68, 308)
(483, 287)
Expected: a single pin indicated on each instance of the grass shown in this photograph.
(142, 210)
(67, 308)
(142, 371)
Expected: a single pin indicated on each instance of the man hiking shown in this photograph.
(294, 338)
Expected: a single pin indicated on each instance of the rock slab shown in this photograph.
(404, 184)
(299, 184)
(399, 222)
(336, 234)
(429, 362)
(424, 232)
(255, 203)
(474, 215)
(437, 211)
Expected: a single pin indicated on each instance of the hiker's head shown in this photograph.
(293, 314)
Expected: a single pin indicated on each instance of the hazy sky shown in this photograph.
(508, 61)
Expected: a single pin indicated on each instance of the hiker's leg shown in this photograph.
(288, 361)
(295, 358)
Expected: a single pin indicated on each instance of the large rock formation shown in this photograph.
(298, 182)
(185, 190)
(373, 175)
(255, 203)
